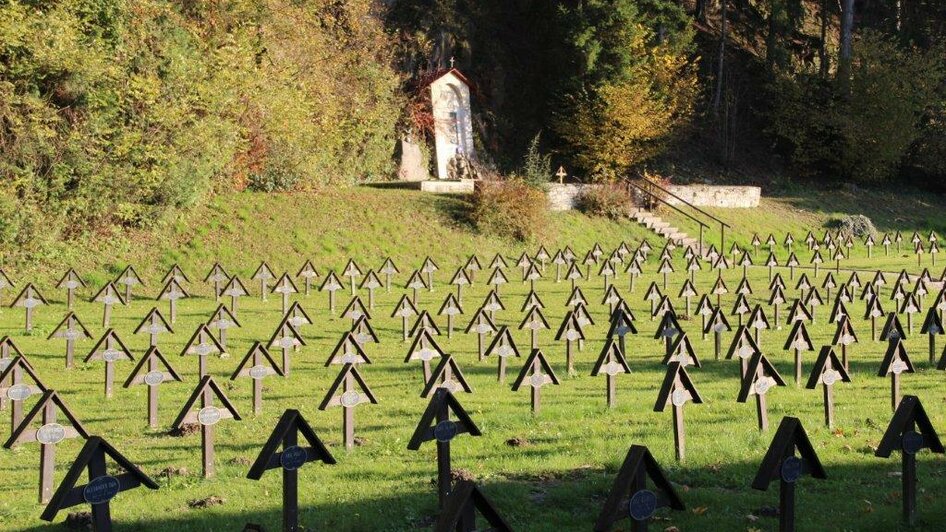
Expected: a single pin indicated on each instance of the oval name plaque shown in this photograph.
(50, 434)
(911, 442)
(101, 490)
(537, 380)
(293, 458)
(19, 392)
(111, 355)
(791, 469)
(153, 378)
(445, 431)
(349, 399)
(642, 505)
(679, 397)
(209, 415)
(258, 371)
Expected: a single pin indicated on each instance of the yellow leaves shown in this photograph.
(699, 510)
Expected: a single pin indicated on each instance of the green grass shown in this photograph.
(557, 482)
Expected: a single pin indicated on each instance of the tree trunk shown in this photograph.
(718, 97)
(700, 14)
(846, 52)
(823, 61)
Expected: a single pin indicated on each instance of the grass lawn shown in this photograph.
(558, 479)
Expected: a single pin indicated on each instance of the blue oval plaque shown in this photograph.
(791, 469)
(445, 431)
(101, 490)
(293, 458)
(642, 505)
(911, 442)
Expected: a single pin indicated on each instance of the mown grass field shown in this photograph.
(557, 481)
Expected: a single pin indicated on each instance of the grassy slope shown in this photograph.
(557, 482)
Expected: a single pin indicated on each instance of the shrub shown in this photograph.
(536, 166)
(610, 200)
(509, 209)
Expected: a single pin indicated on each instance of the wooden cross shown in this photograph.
(290, 459)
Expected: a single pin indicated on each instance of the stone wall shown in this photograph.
(563, 197)
(731, 197)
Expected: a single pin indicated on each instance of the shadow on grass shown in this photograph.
(854, 497)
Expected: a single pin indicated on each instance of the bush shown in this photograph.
(536, 167)
(509, 209)
(609, 200)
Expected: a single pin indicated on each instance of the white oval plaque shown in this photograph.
(209, 415)
(50, 434)
(153, 378)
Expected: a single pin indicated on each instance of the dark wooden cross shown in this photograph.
(781, 463)
(717, 324)
(29, 298)
(570, 331)
(70, 329)
(290, 459)
(264, 274)
(932, 326)
(447, 375)
(285, 287)
(534, 321)
(153, 324)
(909, 432)
(497, 279)
(459, 511)
(798, 340)
(70, 282)
(222, 320)
(630, 497)
(48, 434)
(12, 385)
(481, 324)
(202, 344)
(435, 425)
(129, 279)
(171, 292)
(207, 416)
(307, 273)
(234, 289)
(352, 271)
(348, 391)
(611, 363)
(109, 349)
(675, 391)
(761, 376)
(621, 324)
(149, 372)
(503, 346)
(895, 362)
(828, 371)
(389, 270)
(331, 284)
(743, 346)
(539, 373)
(101, 487)
(404, 309)
(370, 283)
(348, 351)
(257, 365)
(428, 268)
(425, 349)
(217, 276)
(450, 308)
(415, 282)
(108, 296)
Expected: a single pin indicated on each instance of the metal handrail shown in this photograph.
(722, 225)
(674, 207)
(688, 204)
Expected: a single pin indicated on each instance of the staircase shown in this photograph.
(665, 230)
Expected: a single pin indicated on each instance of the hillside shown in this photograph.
(546, 472)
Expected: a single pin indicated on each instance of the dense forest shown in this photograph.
(119, 112)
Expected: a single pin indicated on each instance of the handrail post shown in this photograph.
(722, 238)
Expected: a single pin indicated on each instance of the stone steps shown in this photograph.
(665, 230)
